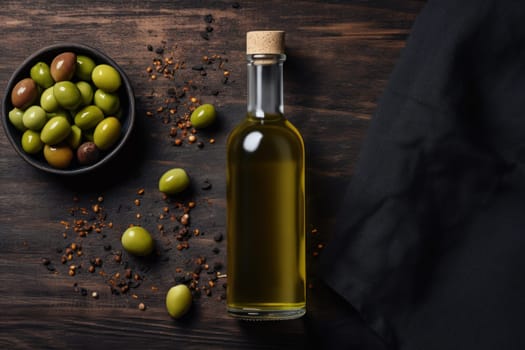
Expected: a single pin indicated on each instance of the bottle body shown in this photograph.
(266, 220)
(265, 178)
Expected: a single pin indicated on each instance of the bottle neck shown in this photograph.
(265, 86)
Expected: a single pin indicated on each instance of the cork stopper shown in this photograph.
(269, 42)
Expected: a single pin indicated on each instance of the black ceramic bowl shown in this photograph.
(127, 105)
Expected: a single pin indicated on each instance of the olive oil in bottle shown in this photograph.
(266, 195)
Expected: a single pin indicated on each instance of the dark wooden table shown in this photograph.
(340, 55)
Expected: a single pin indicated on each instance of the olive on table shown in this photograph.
(31, 142)
(34, 118)
(58, 156)
(63, 66)
(107, 133)
(24, 93)
(174, 181)
(88, 153)
(106, 77)
(178, 300)
(203, 116)
(55, 130)
(41, 74)
(67, 94)
(137, 240)
(84, 67)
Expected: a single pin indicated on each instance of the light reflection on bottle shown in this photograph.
(252, 141)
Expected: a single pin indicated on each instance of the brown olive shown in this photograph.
(63, 66)
(24, 93)
(58, 156)
(87, 153)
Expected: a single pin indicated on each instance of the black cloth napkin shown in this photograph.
(430, 242)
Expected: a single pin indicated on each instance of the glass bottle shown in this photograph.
(266, 195)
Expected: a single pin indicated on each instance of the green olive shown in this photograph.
(86, 92)
(15, 117)
(107, 133)
(24, 93)
(75, 137)
(84, 67)
(59, 156)
(178, 300)
(56, 130)
(137, 240)
(34, 118)
(48, 100)
(67, 95)
(106, 77)
(203, 116)
(88, 117)
(41, 74)
(31, 142)
(174, 181)
(63, 66)
(108, 102)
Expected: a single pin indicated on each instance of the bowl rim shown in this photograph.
(25, 66)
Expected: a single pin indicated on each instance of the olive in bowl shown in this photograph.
(68, 109)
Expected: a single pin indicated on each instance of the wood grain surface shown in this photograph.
(340, 56)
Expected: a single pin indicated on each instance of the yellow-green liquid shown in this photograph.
(266, 220)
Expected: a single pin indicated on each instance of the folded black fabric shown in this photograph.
(430, 242)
